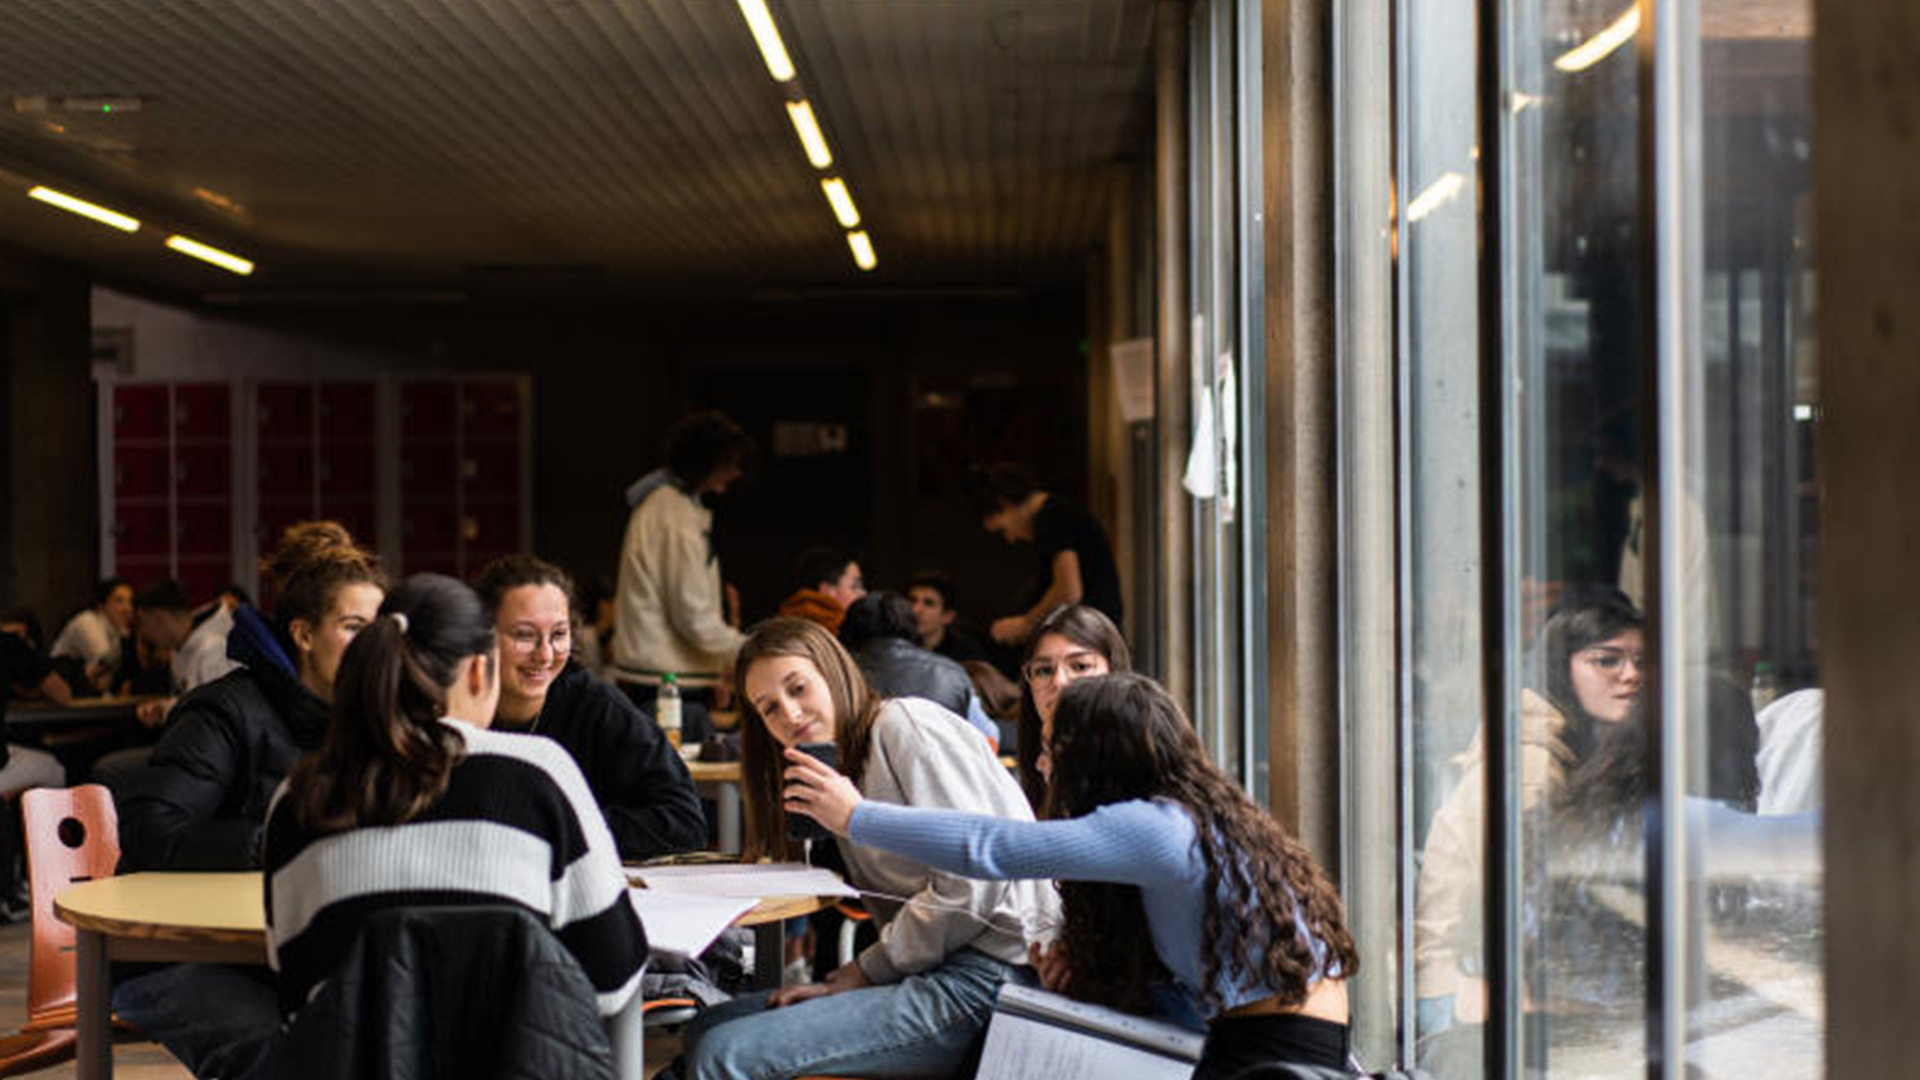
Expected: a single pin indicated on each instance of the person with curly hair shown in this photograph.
(1151, 843)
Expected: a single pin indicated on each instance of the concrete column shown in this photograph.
(1302, 675)
(1867, 126)
(1173, 406)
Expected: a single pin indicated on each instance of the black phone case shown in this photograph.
(800, 826)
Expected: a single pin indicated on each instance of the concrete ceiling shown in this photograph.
(395, 147)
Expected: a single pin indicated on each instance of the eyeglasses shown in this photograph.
(526, 640)
(1077, 666)
(1612, 662)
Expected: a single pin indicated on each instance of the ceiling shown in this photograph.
(421, 147)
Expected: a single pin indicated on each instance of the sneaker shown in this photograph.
(798, 972)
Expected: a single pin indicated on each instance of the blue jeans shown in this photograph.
(927, 1025)
(219, 1021)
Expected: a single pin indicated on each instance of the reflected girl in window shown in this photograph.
(1151, 843)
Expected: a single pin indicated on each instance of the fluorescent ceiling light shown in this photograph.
(1803, 413)
(842, 201)
(862, 247)
(1435, 196)
(767, 36)
(222, 259)
(84, 208)
(809, 131)
(1600, 45)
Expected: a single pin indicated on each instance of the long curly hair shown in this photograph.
(761, 764)
(1121, 737)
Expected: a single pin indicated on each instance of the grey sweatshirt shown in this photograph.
(923, 755)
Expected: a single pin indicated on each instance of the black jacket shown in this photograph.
(636, 775)
(430, 993)
(897, 668)
(200, 802)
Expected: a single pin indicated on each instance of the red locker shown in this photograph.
(490, 410)
(139, 412)
(204, 532)
(284, 472)
(142, 533)
(140, 472)
(428, 470)
(347, 412)
(200, 411)
(428, 411)
(346, 472)
(203, 472)
(491, 471)
(283, 412)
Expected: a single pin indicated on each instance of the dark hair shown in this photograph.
(881, 614)
(387, 755)
(815, 565)
(761, 764)
(1088, 628)
(510, 572)
(1581, 618)
(995, 484)
(943, 584)
(237, 591)
(1120, 737)
(165, 594)
(30, 629)
(103, 592)
(703, 442)
(315, 560)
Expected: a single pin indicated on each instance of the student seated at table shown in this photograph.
(95, 635)
(26, 673)
(1151, 843)
(636, 775)
(411, 802)
(1072, 643)
(915, 1002)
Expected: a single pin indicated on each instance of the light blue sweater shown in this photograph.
(1150, 844)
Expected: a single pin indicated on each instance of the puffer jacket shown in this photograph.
(1449, 894)
(896, 668)
(201, 800)
(451, 992)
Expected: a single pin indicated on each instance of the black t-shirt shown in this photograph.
(1065, 525)
(961, 644)
(21, 666)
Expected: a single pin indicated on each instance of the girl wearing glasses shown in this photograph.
(1151, 843)
(916, 1001)
(1072, 642)
(636, 776)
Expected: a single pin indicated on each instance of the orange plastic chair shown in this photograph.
(72, 836)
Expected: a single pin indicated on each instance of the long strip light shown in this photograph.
(1600, 45)
(842, 201)
(225, 260)
(85, 209)
(811, 140)
(767, 36)
(862, 246)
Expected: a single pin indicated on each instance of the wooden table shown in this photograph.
(83, 712)
(220, 919)
(723, 779)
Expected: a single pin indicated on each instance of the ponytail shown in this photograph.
(387, 756)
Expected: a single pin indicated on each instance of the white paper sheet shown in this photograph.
(745, 880)
(1035, 1033)
(684, 924)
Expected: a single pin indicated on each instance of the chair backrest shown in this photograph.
(72, 835)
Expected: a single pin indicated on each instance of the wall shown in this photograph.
(48, 516)
(923, 385)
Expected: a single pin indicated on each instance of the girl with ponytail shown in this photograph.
(410, 802)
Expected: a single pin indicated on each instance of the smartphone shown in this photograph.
(800, 826)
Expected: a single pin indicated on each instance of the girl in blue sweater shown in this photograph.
(1150, 842)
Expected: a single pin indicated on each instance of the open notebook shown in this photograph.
(1037, 1034)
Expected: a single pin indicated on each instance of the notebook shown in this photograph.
(1037, 1034)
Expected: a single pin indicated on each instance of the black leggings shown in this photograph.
(1235, 1044)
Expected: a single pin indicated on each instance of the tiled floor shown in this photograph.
(146, 1061)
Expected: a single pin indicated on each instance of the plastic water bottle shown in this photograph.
(666, 708)
(1766, 685)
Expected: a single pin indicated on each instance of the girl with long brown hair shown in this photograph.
(1151, 843)
(914, 1002)
(1072, 642)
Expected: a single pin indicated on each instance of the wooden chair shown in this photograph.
(72, 836)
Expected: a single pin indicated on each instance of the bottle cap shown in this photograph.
(669, 679)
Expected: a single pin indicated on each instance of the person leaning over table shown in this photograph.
(637, 777)
(916, 1001)
(410, 802)
(201, 801)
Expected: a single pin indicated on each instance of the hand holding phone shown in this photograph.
(800, 826)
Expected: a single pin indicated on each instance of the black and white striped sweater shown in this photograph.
(516, 825)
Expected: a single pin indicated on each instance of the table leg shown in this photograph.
(769, 954)
(93, 1022)
(627, 1029)
(728, 798)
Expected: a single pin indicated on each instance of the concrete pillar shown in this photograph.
(1173, 406)
(1867, 127)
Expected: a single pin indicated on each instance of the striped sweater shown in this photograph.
(516, 825)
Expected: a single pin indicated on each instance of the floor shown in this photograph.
(148, 1061)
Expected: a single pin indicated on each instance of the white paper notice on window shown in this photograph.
(1203, 465)
(1133, 378)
